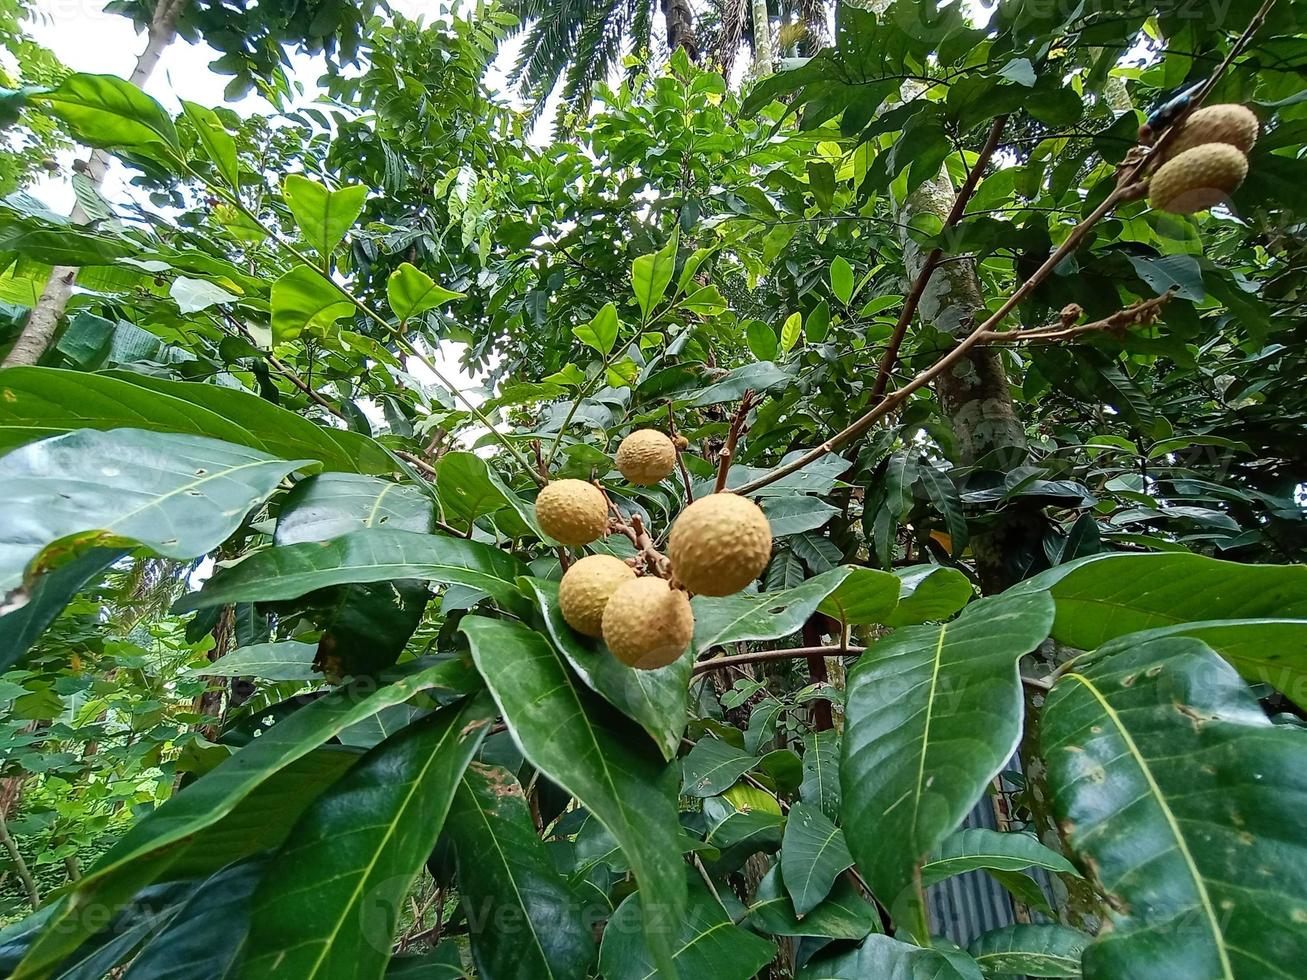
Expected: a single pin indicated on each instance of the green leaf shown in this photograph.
(867, 595)
(791, 331)
(654, 699)
(760, 377)
(1104, 596)
(844, 914)
(707, 944)
(978, 847)
(813, 854)
(218, 145)
(47, 598)
(761, 339)
(883, 957)
(469, 489)
(180, 496)
(283, 661)
(794, 515)
(331, 898)
(817, 324)
(766, 616)
(207, 935)
(188, 830)
(713, 766)
(411, 292)
(821, 772)
(523, 918)
(1044, 950)
(928, 592)
(303, 300)
(111, 113)
(323, 216)
(36, 402)
(194, 295)
(651, 274)
(601, 332)
(933, 714)
(841, 279)
(632, 794)
(372, 555)
(1159, 758)
(331, 504)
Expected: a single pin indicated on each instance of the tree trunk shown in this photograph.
(43, 321)
(680, 27)
(763, 64)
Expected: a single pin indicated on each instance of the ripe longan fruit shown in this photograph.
(572, 511)
(586, 588)
(646, 457)
(1197, 179)
(648, 624)
(719, 544)
(1231, 123)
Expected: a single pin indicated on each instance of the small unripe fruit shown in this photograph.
(586, 588)
(648, 624)
(1197, 179)
(572, 511)
(646, 457)
(719, 544)
(1232, 124)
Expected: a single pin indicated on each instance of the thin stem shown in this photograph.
(732, 438)
(680, 461)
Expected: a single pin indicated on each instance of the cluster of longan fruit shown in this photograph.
(1205, 161)
(718, 545)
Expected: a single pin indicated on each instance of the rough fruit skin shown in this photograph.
(646, 457)
(586, 588)
(648, 624)
(572, 511)
(1197, 179)
(1231, 123)
(719, 544)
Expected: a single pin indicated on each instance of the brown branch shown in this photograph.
(680, 462)
(655, 562)
(932, 260)
(732, 437)
(1142, 313)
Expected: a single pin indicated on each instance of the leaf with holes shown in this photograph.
(328, 906)
(180, 496)
(813, 854)
(933, 714)
(1157, 759)
(713, 766)
(821, 772)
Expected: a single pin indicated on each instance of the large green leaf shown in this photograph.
(330, 900)
(412, 292)
(1187, 804)
(651, 274)
(933, 714)
(178, 495)
(563, 735)
(706, 941)
(207, 935)
(928, 592)
(323, 216)
(813, 854)
(713, 766)
(1267, 651)
(36, 402)
(821, 771)
(1110, 595)
(110, 112)
(523, 918)
(655, 699)
(286, 660)
(180, 835)
(332, 504)
(978, 847)
(867, 595)
(303, 300)
(1044, 950)
(370, 555)
(763, 616)
(843, 914)
(883, 958)
(218, 145)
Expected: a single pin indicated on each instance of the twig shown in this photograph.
(655, 562)
(680, 463)
(932, 260)
(1128, 187)
(1141, 313)
(732, 437)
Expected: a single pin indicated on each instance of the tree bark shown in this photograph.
(680, 27)
(43, 321)
(763, 63)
